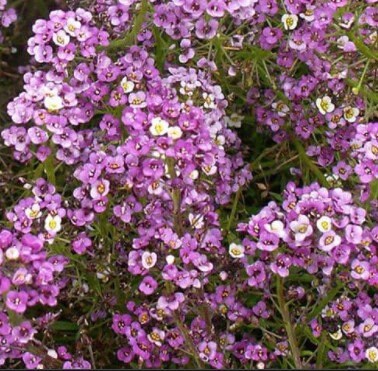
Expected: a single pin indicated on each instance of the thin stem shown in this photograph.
(233, 211)
(189, 342)
(130, 38)
(310, 165)
(288, 325)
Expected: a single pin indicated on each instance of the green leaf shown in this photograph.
(64, 326)
(50, 169)
(374, 190)
(362, 48)
(309, 164)
(331, 294)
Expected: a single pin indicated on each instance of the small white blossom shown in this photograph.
(236, 251)
(276, 227)
(12, 253)
(148, 259)
(324, 224)
(33, 212)
(336, 335)
(372, 354)
(170, 259)
(234, 121)
(61, 38)
(194, 175)
(72, 26)
(351, 113)
(127, 86)
(175, 132)
(53, 103)
(209, 100)
(281, 108)
(325, 105)
(290, 21)
(158, 126)
(53, 223)
(196, 221)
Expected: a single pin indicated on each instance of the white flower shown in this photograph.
(341, 41)
(103, 275)
(72, 26)
(260, 365)
(324, 224)
(148, 259)
(196, 221)
(301, 228)
(336, 335)
(52, 353)
(209, 170)
(156, 337)
(33, 212)
(276, 227)
(290, 21)
(155, 188)
(12, 253)
(53, 223)
(170, 259)
(281, 108)
(234, 121)
(194, 175)
(351, 113)
(372, 354)
(53, 102)
(308, 15)
(209, 100)
(220, 140)
(61, 38)
(158, 126)
(127, 86)
(175, 132)
(236, 251)
(325, 105)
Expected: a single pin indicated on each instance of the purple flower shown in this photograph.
(148, 285)
(17, 301)
(281, 265)
(360, 269)
(267, 241)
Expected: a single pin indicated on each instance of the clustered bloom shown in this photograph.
(7, 17)
(317, 93)
(159, 159)
(322, 233)
(142, 160)
(364, 152)
(29, 275)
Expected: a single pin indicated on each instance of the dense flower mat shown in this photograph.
(189, 184)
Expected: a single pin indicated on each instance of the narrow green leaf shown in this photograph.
(331, 294)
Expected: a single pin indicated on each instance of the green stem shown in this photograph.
(184, 331)
(321, 352)
(233, 211)
(310, 165)
(130, 38)
(290, 331)
(176, 198)
(189, 342)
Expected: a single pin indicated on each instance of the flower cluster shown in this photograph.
(151, 152)
(364, 155)
(29, 274)
(7, 17)
(129, 110)
(319, 233)
(318, 91)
